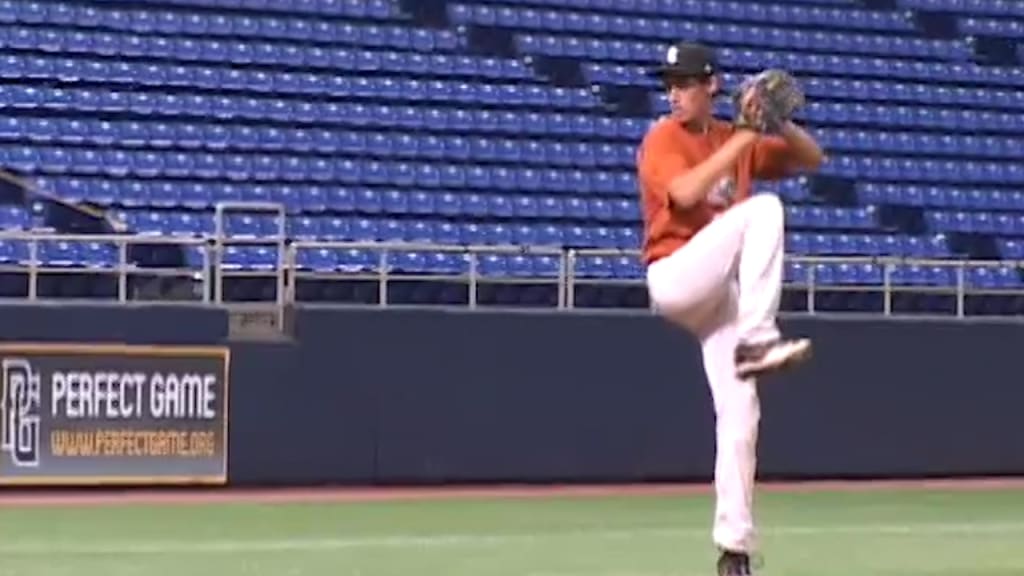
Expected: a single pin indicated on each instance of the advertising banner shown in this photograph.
(92, 414)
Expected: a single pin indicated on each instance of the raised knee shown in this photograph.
(769, 207)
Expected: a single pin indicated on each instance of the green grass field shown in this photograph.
(936, 533)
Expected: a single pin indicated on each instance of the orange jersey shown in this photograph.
(667, 152)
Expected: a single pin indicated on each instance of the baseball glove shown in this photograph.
(774, 96)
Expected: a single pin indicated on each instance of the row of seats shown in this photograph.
(320, 169)
(663, 7)
(321, 8)
(977, 7)
(991, 27)
(304, 198)
(359, 229)
(63, 254)
(538, 266)
(297, 48)
(940, 196)
(514, 227)
(375, 115)
(887, 168)
(507, 92)
(301, 47)
(146, 18)
(476, 205)
(888, 92)
(96, 66)
(902, 245)
(836, 217)
(243, 137)
(420, 116)
(892, 116)
(508, 227)
(906, 142)
(426, 174)
(1010, 248)
(663, 25)
(824, 244)
(644, 26)
(871, 67)
(1008, 223)
(197, 194)
(728, 37)
(822, 88)
(216, 137)
(983, 277)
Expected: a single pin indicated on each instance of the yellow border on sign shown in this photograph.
(119, 348)
(111, 480)
(103, 348)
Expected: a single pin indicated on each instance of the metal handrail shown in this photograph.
(288, 271)
(221, 239)
(473, 277)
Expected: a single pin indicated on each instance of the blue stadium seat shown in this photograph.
(59, 254)
(1011, 248)
(98, 255)
(15, 217)
(250, 258)
(924, 275)
(992, 278)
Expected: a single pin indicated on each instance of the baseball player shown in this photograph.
(714, 254)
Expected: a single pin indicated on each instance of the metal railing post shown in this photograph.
(812, 304)
(382, 283)
(473, 280)
(122, 271)
(570, 278)
(960, 289)
(33, 269)
(221, 239)
(887, 269)
(563, 280)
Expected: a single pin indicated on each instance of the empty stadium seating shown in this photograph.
(503, 122)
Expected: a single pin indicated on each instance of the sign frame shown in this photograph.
(117, 349)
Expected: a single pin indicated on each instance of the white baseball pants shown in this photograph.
(724, 287)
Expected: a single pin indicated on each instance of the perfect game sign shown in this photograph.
(113, 414)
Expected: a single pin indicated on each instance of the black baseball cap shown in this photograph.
(687, 60)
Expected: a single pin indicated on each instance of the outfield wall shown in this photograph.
(391, 397)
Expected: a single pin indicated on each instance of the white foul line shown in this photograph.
(223, 546)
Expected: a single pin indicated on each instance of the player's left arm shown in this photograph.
(791, 151)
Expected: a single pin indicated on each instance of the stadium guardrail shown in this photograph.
(565, 270)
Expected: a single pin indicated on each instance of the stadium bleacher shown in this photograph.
(512, 122)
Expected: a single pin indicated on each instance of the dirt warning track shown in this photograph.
(108, 497)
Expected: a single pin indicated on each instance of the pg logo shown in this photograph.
(19, 412)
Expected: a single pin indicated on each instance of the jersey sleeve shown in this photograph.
(659, 162)
(771, 158)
